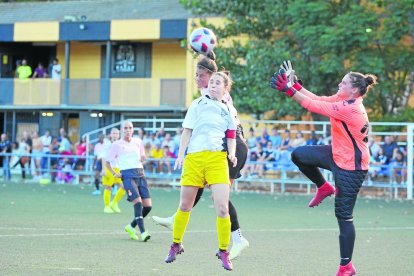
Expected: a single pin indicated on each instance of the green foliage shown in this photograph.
(324, 39)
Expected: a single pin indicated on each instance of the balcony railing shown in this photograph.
(139, 92)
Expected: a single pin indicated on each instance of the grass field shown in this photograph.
(62, 230)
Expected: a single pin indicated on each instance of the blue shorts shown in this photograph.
(135, 184)
(98, 165)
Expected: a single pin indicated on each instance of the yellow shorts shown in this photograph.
(205, 167)
(108, 179)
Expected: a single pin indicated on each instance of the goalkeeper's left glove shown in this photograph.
(279, 81)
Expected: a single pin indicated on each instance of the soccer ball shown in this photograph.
(203, 40)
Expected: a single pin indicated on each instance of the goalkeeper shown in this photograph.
(347, 157)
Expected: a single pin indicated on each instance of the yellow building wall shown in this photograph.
(135, 29)
(44, 92)
(135, 92)
(85, 61)
(168, 61)
(36, 31)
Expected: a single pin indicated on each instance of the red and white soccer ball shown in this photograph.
(203, 40)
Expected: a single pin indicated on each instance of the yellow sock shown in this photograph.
(181, 220)
(119, 195)
(107, 197)
(223, 232)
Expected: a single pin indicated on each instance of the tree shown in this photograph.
(325, 40)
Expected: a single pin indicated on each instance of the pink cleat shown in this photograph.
(224, 257)
(346, 270)
(176, 248)
(323, 191)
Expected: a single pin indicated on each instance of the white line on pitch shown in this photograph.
(191, 231)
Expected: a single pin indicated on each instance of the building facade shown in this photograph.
(119, 59)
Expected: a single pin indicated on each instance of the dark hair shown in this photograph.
(362, 82)
(207, 64)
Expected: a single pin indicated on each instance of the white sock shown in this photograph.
(236, 236)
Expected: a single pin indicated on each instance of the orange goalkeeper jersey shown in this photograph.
(349, 125)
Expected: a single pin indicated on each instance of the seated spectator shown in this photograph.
(398, 166)
(284, 145)
(252, 139)
(257, 155)
(275, 138)
(388, 146)
(169, 142)
(166, 160)
(298, 141)
(379, 165)
(312, 139)
(374, 147)
(269, 156)
(156, 153)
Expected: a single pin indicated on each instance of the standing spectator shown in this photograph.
(37, 150)
(99, 152)
(40, 71)
(46, 140)
(24, 71)
(81, 150)
(275, 138)
(5, 147)
(56, 70)
(20, 151)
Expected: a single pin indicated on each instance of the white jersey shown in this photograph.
(128, 154)
(209, 120)
(114, 163)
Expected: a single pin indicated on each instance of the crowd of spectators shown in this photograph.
(267, 152)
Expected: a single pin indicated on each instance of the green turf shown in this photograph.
(62, 230)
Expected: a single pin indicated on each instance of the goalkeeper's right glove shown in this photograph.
(287, 65)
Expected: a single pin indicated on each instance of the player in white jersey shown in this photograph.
(204, 70)
(207, 124)
(129, 152)
(109, 181)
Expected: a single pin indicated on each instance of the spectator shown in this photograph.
(378, 165)
(320, 140)
(398, 167)
(56, 70)
(285, 145)
(37, 150)
(374, 147)
(166, 160)
(298, 141)
(312, 139)
(24, 71)
(54, 149)
(153, 140)
(156, 153)
(99, 152)
(40, 71)
(5, 147)
(251, 141)
(389, 146)
(275, 138)
(169, 142)
(20, 151)
(81, 150)
(46, 140)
